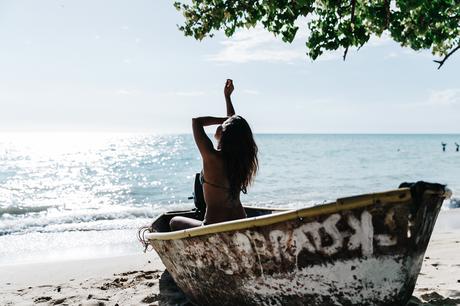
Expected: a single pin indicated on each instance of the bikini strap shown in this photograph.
(203, 181)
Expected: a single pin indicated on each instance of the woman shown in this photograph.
(227, 170)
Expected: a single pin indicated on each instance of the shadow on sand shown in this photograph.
(435, 299)
(170, 294)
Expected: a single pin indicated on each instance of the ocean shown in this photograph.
(73, 196)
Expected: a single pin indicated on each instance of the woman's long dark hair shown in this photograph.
(240, 155)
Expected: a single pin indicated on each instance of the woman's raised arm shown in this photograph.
(202, 140)
(228, 101)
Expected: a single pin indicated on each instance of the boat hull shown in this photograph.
(357, 251)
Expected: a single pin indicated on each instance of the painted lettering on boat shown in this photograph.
(287, 245)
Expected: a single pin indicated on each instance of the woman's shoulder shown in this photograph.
(215, 158)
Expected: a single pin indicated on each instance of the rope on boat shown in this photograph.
(141, 235)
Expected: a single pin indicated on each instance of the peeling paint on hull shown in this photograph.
(368, 255)
(384, 276)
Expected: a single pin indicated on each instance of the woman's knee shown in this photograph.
(175, 224)
(181, 223)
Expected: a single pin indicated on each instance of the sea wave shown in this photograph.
(23, 220)
(82, 220)
(22, 210)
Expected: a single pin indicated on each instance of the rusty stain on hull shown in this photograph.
(368, 255)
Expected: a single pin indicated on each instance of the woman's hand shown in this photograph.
(228, 88)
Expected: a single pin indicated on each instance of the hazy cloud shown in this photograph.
(251, 92)
(391, 55)
(445, 97)
(189, 93)
(256, 44)
(123, 92)
(129, 92)
(376, 41)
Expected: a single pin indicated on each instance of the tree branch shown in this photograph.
(441, 62)
(352, 19)
(345, 53)
(361, 45)
(387, 11)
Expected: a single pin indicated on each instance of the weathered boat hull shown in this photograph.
(365, 250)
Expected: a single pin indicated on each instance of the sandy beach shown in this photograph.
(141, 279)
(127, 280)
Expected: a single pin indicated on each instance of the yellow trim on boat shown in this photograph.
(402, 196)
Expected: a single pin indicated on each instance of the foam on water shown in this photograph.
(55, 184)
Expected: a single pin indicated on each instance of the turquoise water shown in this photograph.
(83, 195)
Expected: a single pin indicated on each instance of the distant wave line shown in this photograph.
(23, 210)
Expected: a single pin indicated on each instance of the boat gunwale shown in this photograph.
(391, 197)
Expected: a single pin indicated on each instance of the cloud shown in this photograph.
(189, 93)
(153, 94)
(437, 98)
(251, 92)
(332, 55)
(259, 45)
(128, 92)
(445, 97)
(391, 55)
(124, 92)
(376, 41)
(256, 45)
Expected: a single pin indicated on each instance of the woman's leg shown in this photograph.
(181, 223)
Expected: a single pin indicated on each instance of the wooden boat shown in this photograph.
(361, 250)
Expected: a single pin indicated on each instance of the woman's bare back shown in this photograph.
(220, 206)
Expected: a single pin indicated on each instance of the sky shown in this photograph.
(123, 66)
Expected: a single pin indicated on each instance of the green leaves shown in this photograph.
(333, 24)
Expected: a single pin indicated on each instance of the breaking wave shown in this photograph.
(22, 210)
(85, 220)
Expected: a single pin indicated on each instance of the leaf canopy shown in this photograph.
(333, 24)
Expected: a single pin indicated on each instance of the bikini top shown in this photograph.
(203, 181)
